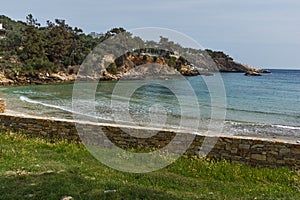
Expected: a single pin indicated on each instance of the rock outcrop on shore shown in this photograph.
(225, 63)
(252, 73)
(37, 79)
(231, 66)
(132, 66)
(140, 65)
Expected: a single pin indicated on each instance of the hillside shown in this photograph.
(225, 63)
(32, 54)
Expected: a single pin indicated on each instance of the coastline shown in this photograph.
(263, 125)
(41, 79)
(293, 139)
(70, 79)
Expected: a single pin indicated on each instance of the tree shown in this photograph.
(32, 42)
(60, 41)
(117, 30)
(12, 42)
(31, 21)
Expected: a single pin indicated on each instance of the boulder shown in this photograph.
(251, 73)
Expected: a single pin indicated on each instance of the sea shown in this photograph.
(260, 106)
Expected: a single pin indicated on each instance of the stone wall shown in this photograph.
(252, 151)
(2, 105)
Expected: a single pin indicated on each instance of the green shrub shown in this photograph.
(172, 61)
(38, 64)
(112, 68)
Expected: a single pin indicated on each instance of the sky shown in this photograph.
(260, 33)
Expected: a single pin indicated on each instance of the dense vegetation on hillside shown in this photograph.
(28, 49)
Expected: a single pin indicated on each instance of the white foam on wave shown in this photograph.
(26, 99)
(263, 125)
(86, 114)
(287, 127)
(76, 112)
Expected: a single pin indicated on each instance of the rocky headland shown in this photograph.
(31, 54)
(134, 65)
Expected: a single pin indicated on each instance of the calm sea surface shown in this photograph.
(265, 105)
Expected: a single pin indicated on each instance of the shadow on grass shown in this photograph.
(57, 185)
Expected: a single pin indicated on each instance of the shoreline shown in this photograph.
(254, 128)
(228, 129)
(64, 78)
(282, 138)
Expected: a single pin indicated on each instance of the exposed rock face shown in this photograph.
(141, 65)
(150, 71)
(37, 78)
(137, 65)
(166, 64)
(225, 63)
(231, 66)
(5, 81)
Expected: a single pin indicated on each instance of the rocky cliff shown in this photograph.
(225, 63)
(138, 65)
(161, 64)
(135, 65)
(231, 66)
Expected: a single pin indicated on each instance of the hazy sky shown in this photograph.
(260, 33)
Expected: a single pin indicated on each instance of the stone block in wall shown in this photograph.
(284, 151)
(271, 159)
(244, 146)
(295, 151)
(259, 157)
(258, 146)
(274, 153)
(2, 105)
(234, 150)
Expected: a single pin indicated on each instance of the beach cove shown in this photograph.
(259, 136)
(266, 106)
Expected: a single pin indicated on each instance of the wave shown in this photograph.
(26, 99)
(91, 116)
(30, 92)
(263, 112)
(76, 112)
(287, 127)
(232, 125)
(263, 126)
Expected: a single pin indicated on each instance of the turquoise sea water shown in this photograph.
(265, 105)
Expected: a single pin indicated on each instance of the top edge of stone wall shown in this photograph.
(18, 115)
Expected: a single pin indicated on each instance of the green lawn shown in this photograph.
(33, 168)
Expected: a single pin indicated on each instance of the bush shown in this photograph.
(67, 61)
(112, 68)
(39, 64)
(172, 61)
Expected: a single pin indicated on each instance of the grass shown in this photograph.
(34, 168)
